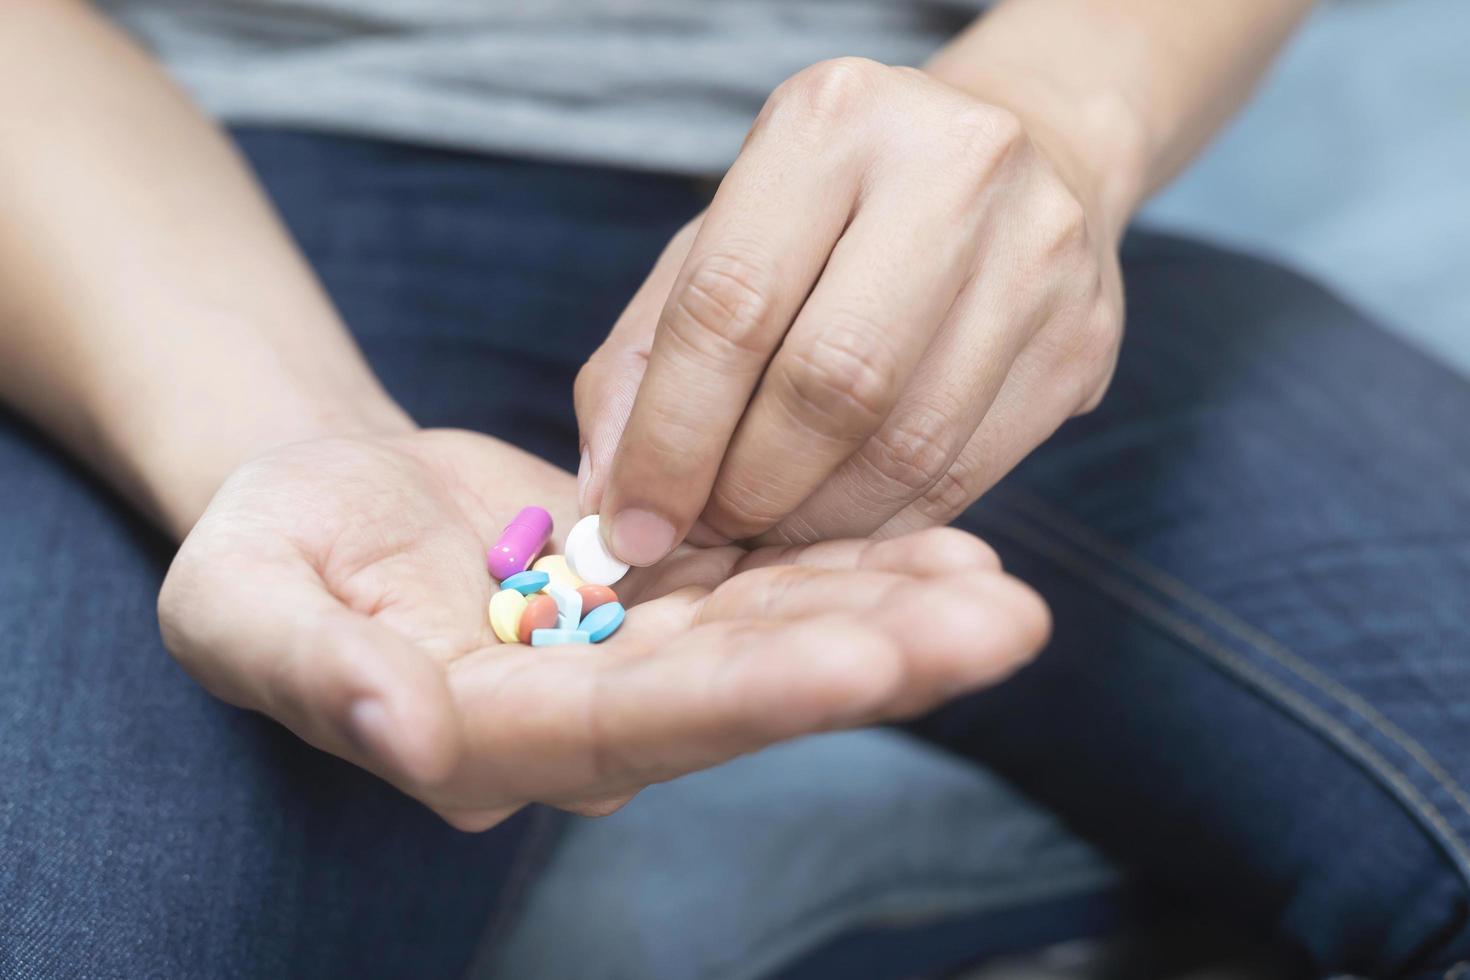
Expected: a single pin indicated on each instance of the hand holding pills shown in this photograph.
(898, 292)
(341, 586)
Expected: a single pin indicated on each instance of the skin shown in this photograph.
(157, 321)
(908, 279)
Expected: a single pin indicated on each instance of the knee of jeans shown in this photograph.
(1236, 305)
(1398, 914)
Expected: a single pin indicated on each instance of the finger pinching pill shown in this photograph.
(506, 609)
(520, 543)
(588, 558)
(603, 621)
(540, 614)
(568, 605)
(527, 583)
(594, 596)
(555, 566)
(549, 638)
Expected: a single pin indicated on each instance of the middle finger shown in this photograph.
(848, 357)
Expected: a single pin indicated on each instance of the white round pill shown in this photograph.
(586, 556)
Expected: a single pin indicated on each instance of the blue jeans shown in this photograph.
(1258, 553)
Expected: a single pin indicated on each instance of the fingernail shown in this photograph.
(640, 537)
(584, 479)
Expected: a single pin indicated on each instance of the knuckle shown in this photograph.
(1090, 403)
(831, 91)
(1089, 354)
(1098, 338)
(949, 495)
(984, 136)
(848, 377)
(726, 306)
(912, 452)
(742, 508)
(1064, 228)
(1098, 358)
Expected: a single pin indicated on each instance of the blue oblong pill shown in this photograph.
(603, 621)
(527, 583)
(551, 638)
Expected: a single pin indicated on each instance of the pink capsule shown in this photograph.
(520, 543)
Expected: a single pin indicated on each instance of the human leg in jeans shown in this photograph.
(1257, 552)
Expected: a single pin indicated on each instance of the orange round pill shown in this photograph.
(594, 596)
(540, 614)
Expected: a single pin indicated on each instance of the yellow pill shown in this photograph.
(506, 607)
(561, 574)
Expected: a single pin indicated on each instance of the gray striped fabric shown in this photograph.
(666, 85)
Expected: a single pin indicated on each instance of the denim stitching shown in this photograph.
(1083, 537)
(1192, 636)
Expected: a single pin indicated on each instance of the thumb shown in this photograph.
(270, 638)
(609, 381)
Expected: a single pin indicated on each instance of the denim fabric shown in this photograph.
(1256, 551)
(733, 873)
(1258, 556)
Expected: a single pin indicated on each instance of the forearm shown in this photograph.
(1124, 92)
(154, 315)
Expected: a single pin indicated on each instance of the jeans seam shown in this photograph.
(1192, 637)
(1265, 644)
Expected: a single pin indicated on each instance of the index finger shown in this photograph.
(745, 278)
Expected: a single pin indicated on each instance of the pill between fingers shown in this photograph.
(588, 558)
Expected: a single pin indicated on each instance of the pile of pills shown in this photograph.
(561, 598)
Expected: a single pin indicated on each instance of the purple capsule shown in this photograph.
(520, 543)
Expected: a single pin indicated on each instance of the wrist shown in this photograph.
(173, 458)
(1097, 139)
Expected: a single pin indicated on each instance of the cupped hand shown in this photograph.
(339, 586)
(897, 293)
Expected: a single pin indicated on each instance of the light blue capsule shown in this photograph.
(603, 621)
(551, 638)
(527, 583)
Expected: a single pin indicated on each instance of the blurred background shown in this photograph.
(1353, 165)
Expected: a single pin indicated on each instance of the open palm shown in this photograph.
(340, 587)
